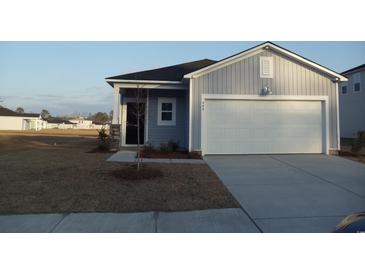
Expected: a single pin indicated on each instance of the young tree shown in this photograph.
(100, 117)
(19, 110)
(45, 114)
(138, 112)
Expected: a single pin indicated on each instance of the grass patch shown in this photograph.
(54, 174)
(131, 173)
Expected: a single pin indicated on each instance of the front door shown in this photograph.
(132, 125)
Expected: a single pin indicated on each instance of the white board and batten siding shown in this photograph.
(290, 78)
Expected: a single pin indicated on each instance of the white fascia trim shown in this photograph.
(151, 86)
(256, 50)
(303, 60)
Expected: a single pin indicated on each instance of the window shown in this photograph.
(266, 67)
(166, 111)
(357, 86)
(344, 89)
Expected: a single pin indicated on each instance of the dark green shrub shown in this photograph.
(164, 148)
(172, 146)
(358, 142)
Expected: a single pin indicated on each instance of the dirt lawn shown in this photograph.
(42, 173)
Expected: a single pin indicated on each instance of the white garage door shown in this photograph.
(262, 127)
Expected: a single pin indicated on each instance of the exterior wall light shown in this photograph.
(266, 91)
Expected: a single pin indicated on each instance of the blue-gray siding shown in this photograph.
(243, 77)
(352, 107)
(162, 134)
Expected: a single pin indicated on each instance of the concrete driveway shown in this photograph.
(293, 193)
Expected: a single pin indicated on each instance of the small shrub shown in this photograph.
(194, 155)
(164, 148)
(149, 148)
(103, 140)
(357, 143)
(172, 146)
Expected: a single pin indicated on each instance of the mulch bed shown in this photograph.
(131, 173)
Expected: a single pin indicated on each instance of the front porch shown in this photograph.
(159, 112)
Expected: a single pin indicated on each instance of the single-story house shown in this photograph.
(264, 100)
(11, 120)
(352, 102)
(82, 123)
(54, 122)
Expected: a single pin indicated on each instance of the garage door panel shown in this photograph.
(262, 127)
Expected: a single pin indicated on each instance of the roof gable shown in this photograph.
(257, 49)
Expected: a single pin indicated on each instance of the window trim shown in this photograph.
(344, 86)
(357, 91)
(357, 80)
(160, 101)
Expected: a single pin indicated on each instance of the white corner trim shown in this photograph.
(259, 49)
(190, 112)
(160, 101)
(338, 118)
(116, 106)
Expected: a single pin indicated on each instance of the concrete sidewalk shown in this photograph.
(126, 156)
(210, 220)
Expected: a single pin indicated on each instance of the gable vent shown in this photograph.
(266, 67)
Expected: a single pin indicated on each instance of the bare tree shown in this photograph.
(138, 112)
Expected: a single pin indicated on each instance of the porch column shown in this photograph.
(116, 105)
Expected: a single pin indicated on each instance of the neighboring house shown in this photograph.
(11, 120)
(100, 126)
(53, 122)
(352, 102)
(264, 100)
(82, 123)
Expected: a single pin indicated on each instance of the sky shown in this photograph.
(68, 77)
